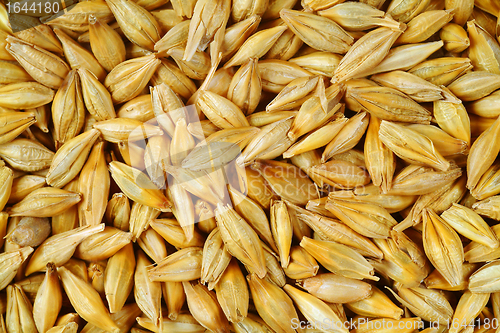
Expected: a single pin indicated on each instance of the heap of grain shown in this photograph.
(250, 166)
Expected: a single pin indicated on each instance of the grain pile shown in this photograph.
(250, 166)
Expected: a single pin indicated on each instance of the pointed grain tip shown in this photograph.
(92, 19)
(402, 27)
